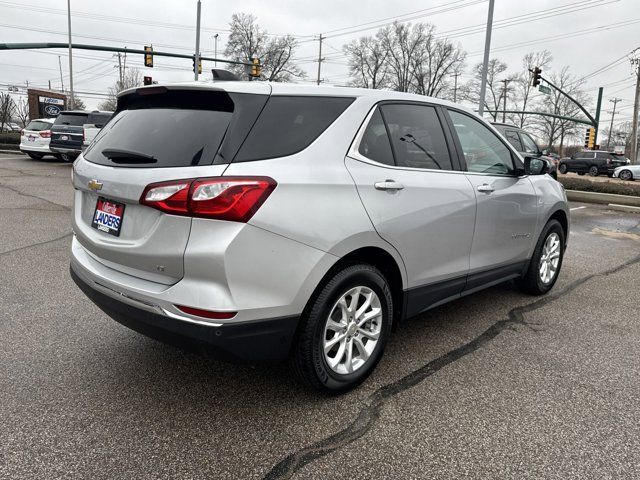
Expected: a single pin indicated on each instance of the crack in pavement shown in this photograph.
(8, 252)
(15, 190)
(372, 410)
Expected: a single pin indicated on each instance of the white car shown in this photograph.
(35, 138)
(627, 172)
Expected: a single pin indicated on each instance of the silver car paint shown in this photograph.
(270, 266)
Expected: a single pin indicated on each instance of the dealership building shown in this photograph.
(45, 103)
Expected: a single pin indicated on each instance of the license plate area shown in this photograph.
(108, 216)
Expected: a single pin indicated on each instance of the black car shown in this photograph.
(592, 162)
(67, 132)
(526, 145)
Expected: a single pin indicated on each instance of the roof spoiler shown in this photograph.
(224, 75)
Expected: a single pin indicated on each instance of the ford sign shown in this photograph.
(52, 110)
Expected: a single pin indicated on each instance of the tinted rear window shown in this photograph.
(289, 124)
(38, 126)
(76, 120)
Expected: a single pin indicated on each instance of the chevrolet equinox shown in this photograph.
(272, 221)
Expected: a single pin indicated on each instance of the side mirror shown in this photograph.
(535, 166)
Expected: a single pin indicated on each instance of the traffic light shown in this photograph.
(148, 80)
(148, 57)
(199, 65)
(590, 138)
(536, 76)
(256, 68)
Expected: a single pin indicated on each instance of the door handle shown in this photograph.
(485, 188)
(388, 185)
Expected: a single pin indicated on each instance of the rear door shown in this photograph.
(507, 206)
(418, 200)
(158, 135)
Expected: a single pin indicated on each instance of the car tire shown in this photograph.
(36, 156)
(593, 171)
(562, 168)
(322, 369)
(626, 175)
(58, 157)
(67, 158)
(533, 282)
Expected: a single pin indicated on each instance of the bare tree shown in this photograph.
(367, 63)
(78, 103)
(21, 111)
(402, 43)
(523, 88)
(7, 108)
(493, 96)
(435, 64)
(247, 40)
(131, 79)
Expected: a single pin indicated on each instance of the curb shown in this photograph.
(603, 198)
(624, 208)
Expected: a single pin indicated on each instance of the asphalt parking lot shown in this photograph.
(495, 385)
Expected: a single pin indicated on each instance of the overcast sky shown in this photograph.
(588, 36)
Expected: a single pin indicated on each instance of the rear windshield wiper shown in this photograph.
(127, 156)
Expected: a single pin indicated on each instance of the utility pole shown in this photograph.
(615, 101)
(319, 58)
(49, 84)
(596, 123)
(455, 86)
(71, 100)
(60, 65)
(504, 94)
(197, 56)
(215, 49)
(634, 145)
(485, 62)
(120, 68)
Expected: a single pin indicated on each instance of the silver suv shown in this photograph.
(272, 221)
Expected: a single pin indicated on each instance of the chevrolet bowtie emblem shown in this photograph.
(95, 185)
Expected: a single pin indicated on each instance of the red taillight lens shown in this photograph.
(206, 313)
(169, 197)
(45, 133)
(234, 199)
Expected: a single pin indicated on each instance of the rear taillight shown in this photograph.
(223, 198)
(45, 133)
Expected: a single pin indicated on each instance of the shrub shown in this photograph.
(617, 187)
(10, 137)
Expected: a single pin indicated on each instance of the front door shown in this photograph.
(507, 205)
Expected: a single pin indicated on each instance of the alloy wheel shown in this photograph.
(550, 258)
(352, 330)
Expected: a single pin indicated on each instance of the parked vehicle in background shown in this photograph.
(526, 146)
(35, 138)
(593, 162)
(92, 129)
(67, 133)
(627, 172)
(274, 221)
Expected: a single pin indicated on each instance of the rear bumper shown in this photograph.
(249, 341)
(25, 147)
(75, 151)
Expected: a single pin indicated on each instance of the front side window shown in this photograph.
(375, 141)
(483, 151)
(514, 140)
(417, 137)
(528, 143)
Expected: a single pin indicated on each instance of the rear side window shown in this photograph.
(37, 126)
(375, 141)
(416, 135)
(289, 124)
(71, 119)
(514, 140)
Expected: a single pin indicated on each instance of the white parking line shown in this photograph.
(577, 208)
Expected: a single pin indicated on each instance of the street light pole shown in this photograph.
(197, 55)
(634, 134)
(485, 62)
(615, 101)
(71, 98)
